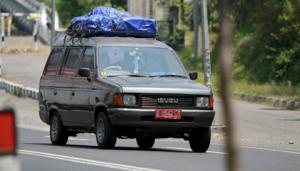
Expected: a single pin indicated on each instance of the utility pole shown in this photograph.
(53, 9)
(151, 9)
(144, 4)
(205, 44)
(2, 29)
(196, 28)
(2, 34)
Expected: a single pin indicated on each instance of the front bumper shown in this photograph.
(191, 118)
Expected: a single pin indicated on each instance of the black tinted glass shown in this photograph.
(88, 59)
(73, 58)
(53, 62)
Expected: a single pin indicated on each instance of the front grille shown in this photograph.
(169, 101)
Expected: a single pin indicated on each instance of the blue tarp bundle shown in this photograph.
(107, 21)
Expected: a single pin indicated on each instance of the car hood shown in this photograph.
(159, 85)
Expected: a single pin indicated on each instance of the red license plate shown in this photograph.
(168, 114)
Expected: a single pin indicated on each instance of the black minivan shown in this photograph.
(123, 87)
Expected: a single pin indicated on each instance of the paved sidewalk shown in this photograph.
(24, 68)
(26, 111)
(21, 66)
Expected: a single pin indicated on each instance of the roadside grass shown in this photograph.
(272, 90)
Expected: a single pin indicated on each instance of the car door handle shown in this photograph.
(55, 92)
(73, 93)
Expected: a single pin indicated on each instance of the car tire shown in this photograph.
(58, 134)
(200, 140)
(145, 142)
(105, 132)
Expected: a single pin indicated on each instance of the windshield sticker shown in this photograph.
(103, 74)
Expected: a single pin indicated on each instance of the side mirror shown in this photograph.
(193, 75)
(84, 72)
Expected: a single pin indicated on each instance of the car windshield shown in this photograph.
(139, 62)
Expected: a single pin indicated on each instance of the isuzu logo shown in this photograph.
(165, 100)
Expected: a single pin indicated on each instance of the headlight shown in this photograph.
(129, 100)
(202, 102)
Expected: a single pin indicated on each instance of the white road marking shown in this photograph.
(273, 150)
(85, 161)
(219, 144)
(71, 138)
(264, 149)
(187, 149)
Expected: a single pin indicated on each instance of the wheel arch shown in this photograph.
(99, 108)
(52, 110)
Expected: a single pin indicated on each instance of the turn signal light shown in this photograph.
(118, 101)
(7, 132)
(211, 102)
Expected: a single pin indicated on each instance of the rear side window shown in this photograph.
(53, 62)
(72, 61)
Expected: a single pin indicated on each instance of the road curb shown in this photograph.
(216, 128)
(19, 90)
(281, 103)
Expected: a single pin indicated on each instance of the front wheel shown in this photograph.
(105, 132)
(200, 139)
(145, 142)
(58, 134)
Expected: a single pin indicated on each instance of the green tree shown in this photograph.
(67, 9)
(273, 53)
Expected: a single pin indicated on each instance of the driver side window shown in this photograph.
(88, 59)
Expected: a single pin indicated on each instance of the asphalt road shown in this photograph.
(81, 153)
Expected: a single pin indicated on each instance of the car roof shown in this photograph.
(65, 40)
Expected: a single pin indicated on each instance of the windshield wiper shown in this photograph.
(128, 75)
(169, 75)
(135, 75)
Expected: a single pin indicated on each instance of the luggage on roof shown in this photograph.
(107, 21)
